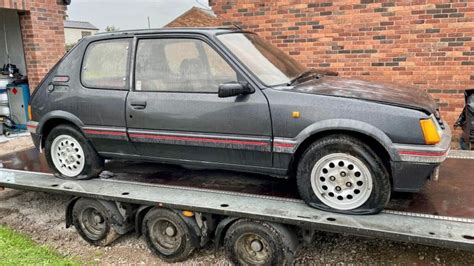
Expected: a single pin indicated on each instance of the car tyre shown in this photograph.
(70, 155)
(340, 173)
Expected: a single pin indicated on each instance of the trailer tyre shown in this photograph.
(259, 243)
(340, 173)
(70, 154)
(168, 235)
(92, 222)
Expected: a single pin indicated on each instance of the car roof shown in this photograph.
(200, 30)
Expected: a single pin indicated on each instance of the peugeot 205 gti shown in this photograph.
(224, 98)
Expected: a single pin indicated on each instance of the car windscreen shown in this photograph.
(269, 64)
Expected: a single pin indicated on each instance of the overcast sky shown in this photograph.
(126, 14)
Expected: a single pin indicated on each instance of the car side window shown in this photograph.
(180, 65)
(105, 64)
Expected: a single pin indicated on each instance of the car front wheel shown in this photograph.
(342, 174)
(70, 155)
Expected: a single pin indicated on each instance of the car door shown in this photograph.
(100, 103)
(174, 112)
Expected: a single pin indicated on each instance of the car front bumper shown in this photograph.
(426, 153)
(418, 163)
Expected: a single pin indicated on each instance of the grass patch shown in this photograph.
(18, 249)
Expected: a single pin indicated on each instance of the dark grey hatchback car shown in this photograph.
(224, 98)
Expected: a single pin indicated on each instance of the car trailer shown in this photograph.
(257, 219)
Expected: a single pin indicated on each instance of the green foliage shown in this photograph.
(69, 47)
(17, 249)
(111, 29)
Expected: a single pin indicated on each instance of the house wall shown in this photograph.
(42, 28)
(42, 32)
(424, 43)
(11, 20)
(73, 35)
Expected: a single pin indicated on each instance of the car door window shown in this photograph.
(105, 64)
(180, 65)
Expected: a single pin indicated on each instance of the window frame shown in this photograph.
(126, 87)
(240, 77)
(245, 69)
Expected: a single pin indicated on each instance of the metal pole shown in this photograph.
(148, 22)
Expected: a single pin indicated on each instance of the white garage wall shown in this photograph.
(14, 40)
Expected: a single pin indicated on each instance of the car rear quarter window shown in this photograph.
(105, 64)
(180, 65)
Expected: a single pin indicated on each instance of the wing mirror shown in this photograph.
(234, 89)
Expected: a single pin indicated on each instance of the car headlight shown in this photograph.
(430, 131)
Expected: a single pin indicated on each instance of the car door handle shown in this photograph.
(138, 105)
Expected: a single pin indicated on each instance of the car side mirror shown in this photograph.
(234, 89)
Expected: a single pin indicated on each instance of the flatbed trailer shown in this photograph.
(258, 219)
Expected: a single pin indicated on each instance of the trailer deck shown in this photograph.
(450, 196)
(441, 215)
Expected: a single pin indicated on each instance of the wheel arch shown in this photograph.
(69, 208)
(221, 231)
(117, 220)
(367, 133)
(139, 216)
(54, 118)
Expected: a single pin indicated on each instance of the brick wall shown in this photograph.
(425, 43)
(42, 29)
(194, 17)
(15, 4)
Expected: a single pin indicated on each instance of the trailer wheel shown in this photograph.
(92, 222)
(168, 235)
(259, 243)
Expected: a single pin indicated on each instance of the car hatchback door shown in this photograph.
(174, 112)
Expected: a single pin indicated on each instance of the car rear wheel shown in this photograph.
(340, 173)
(70, 155)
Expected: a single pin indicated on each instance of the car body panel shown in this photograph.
(255, 133)
(396, 95)
(240, 126)
(384, 122)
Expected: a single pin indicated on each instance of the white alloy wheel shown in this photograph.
(341, 181)
(67, 155)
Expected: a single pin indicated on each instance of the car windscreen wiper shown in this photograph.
(300, 76)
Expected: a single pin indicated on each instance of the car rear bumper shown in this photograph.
(32, 128)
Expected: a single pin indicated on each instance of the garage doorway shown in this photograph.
(11, 44)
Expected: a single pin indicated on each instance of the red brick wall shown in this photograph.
(425, 43)
(42, 29)
(15, 4)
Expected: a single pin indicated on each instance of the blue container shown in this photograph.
(18, 98)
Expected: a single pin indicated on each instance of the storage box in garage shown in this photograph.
(18, 98)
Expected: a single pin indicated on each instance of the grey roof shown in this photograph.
(79, 25)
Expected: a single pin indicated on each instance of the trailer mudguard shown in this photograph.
(222, 229)
(117, 221)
